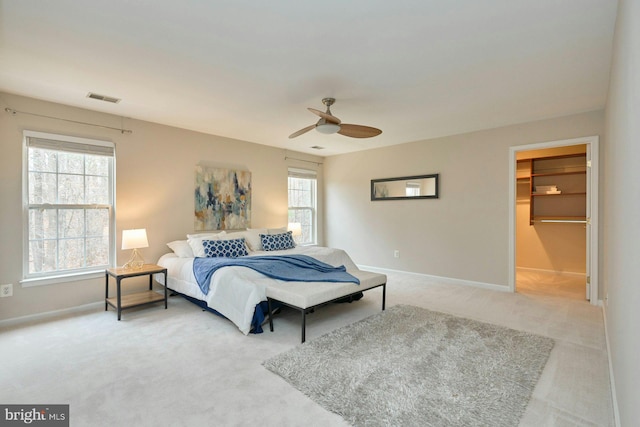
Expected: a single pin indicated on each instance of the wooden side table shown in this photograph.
(121, 302)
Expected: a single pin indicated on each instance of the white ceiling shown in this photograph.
(243, 69)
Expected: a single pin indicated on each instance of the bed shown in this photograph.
(237, 293)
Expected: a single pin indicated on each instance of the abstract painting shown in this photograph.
(222, 199)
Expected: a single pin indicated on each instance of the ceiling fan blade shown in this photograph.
(357, 131)
(327, 117)
(301, 131)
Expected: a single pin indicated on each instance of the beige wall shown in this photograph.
(622, 202)
(155, 169)
(561, 248)
(463, 234)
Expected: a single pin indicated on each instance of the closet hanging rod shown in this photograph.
(14, 112)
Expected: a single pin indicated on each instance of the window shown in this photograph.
(69, 215)
(412, 189)
(302, 204)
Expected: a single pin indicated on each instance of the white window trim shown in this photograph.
(57, 276)
(293, 172)
(62, 278)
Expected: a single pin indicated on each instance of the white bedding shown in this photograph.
(234, 292)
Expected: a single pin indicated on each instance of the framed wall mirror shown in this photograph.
(405, 187)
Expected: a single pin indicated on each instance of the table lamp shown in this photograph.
(295, 228)
(134, 239)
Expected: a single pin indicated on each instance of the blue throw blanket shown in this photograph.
(295, 268)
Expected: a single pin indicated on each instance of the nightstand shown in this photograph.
(122, 302)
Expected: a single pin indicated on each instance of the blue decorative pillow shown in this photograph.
(225, 248)
(276, 242)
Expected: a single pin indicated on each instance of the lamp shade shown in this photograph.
(295, 228)
(134, 239)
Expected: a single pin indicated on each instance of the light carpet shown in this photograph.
(412, 366)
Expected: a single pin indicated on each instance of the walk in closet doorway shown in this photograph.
(553, 218)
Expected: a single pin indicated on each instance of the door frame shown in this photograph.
(592, 255)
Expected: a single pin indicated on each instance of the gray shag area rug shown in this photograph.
(408, 366)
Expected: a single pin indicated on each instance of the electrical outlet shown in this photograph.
(6, 290)
(396, 254)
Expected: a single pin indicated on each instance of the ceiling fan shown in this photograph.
(329, 123)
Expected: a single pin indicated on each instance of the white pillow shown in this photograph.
(252, 238)
(181, 248)
(207, 234)
(195, 241)
(233, 235)
(277, 230)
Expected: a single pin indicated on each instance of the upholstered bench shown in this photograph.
(305, 297)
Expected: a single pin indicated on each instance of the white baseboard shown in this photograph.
(440, 279)
(16, 321)
(612, 381)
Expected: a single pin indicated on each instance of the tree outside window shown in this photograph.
(302, 204)
(69, 196)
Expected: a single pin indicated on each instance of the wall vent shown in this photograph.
(104, 98)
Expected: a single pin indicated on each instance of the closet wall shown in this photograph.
(551, 246)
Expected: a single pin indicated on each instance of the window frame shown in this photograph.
(69, 142)
(313, 176)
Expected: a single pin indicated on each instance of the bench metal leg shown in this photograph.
(384, 295)
(304, 326)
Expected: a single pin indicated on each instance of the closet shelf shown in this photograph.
(583, 193)
(584, 172)
(565, 172)
(560, 219)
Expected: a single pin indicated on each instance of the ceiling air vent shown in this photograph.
(317, 147)
(104, 98)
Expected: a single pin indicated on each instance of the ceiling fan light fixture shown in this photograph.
(328, 124)
(328, 128)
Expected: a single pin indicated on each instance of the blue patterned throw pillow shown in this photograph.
(276, 242)
(225, 248)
